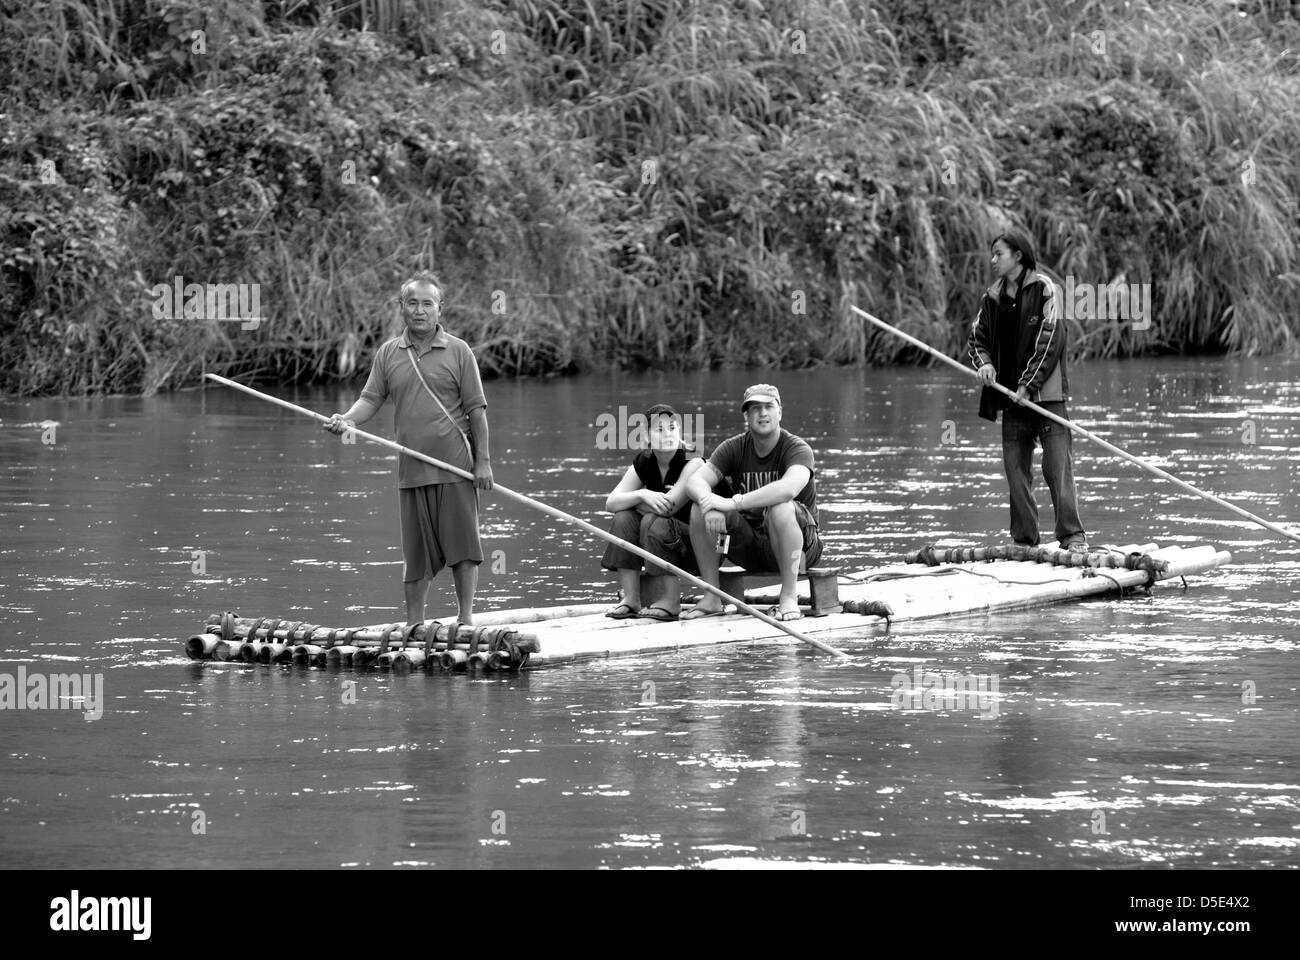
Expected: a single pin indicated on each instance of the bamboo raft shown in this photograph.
(932, 583)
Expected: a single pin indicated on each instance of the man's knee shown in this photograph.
(781, 514)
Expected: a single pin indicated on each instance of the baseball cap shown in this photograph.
(659, 410)
(760, 393)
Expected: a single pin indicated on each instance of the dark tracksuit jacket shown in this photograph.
(1035, 358)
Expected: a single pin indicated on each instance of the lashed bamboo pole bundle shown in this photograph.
(265, 640)
(932, 556)
(407, 657)
(391, 646)
(288, 633)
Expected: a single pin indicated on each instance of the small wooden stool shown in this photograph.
(823, 585)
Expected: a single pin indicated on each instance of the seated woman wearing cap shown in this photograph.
(652, 510)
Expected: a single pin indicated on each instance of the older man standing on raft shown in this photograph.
(439, 410)
(771, 523)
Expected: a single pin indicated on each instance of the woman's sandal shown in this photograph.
(628, 612)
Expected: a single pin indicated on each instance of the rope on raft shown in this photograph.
(945, 562)
(945, 570)
(870, 608)
(1091, 572)
(503, 646)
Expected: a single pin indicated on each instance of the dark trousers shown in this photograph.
(665, 537)
(1021, 430)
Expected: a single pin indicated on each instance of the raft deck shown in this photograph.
(913, 591)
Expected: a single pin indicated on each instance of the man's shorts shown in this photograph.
(751, 546)
(439, 527)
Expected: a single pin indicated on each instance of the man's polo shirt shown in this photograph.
(449, 368)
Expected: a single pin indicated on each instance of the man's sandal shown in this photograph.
(624, 611)
(776, 613)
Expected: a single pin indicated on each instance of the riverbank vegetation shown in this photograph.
(634, 182)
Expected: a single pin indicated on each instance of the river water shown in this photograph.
(1150, 731)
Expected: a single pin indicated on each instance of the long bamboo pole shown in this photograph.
(551, 511)
(1071, 425)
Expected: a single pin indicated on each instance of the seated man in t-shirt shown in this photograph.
(772, 521)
